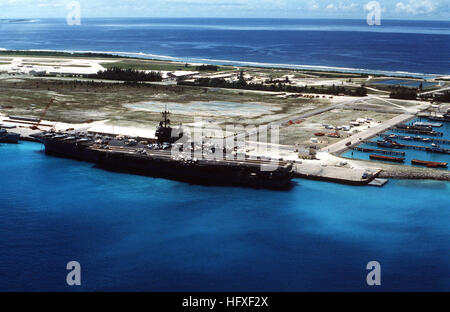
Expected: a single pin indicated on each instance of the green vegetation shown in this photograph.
(78, 101)
(403, 93)
(163, 66)
(147, 65)
(116, 73)
(207, 68)
(277, 87)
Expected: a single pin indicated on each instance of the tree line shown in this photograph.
(279, 87)
(403, 93)
(116, 73)
(207, 68)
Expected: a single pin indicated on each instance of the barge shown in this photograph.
(429, 164)
(437, 149)
(428, 124)
(416, 126)
(387, 158)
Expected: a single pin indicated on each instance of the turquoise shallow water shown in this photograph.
(139, 233)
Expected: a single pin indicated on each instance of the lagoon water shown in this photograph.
(410, 154)
(394, 47)
(139, 233)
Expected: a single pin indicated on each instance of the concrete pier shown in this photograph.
(357, 138)
(343, 175)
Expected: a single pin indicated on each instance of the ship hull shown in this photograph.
(439, 118)
(200, 172)
(10, 138)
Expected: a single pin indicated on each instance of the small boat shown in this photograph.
(333, 135)
(387, 142)
(429, 164)
(407, 138)
(387, 158)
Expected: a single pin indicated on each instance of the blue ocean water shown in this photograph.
(395, 47)
(138, 233)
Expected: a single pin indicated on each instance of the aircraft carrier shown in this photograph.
(155, 157)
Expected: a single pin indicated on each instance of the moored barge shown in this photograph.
(429, 164)
(387, 158)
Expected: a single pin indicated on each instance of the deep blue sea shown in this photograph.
(138, 233)
(395, 47)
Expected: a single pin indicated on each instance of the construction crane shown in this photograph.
(36, 126)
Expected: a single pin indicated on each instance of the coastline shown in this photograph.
(300, 67)
(333, 174)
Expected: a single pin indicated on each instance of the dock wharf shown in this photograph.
(357, 138)
(431, 140)
(407, 146)
(375, 150)
(432, 133)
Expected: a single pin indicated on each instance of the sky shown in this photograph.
(390, 9)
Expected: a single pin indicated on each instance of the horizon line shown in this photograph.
(279, 18)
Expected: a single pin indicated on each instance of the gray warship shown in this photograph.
(154, 157)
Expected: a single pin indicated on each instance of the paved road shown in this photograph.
(438, 90)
